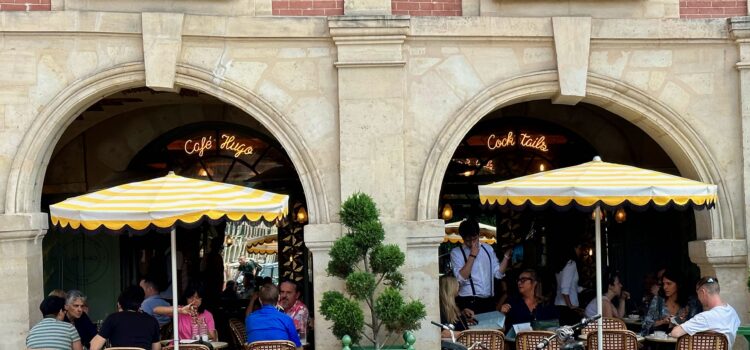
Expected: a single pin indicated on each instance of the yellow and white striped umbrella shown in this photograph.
(599, 182)
(165, 201)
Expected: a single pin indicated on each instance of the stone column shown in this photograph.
(21, 275)
(319, 239)
(421, 274)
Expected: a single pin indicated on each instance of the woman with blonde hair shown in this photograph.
(449, 311)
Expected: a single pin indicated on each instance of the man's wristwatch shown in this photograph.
(473, 256)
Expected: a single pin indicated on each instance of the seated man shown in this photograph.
(76, 313)
(128, 327)
(52, 332)
(152, 300)
(293, 307)
(268, 323)
(718, 317)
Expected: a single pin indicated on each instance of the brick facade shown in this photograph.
(308, 7)
(426, 7)
(25, 5)
(712, 9)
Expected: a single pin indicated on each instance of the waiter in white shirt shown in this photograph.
(475, 266)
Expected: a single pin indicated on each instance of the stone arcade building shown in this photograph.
(375, 98)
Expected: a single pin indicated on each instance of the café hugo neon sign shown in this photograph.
(525, 140)
(228, 143)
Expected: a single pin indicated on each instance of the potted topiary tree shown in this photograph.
(370, 269)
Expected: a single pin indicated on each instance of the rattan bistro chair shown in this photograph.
(613, 340)
(490, 339)
(188, 347)
(239, 333)
(528, 340)
(608, 323)
(270, 345)
(703, 341)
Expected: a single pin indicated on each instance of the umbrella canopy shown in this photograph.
(455, 238)
(595, 184)
(165, 201)
(486, 231)
(598, 182)
(267, 244)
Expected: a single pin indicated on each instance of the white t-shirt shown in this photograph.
(722, 319)
(567, 283)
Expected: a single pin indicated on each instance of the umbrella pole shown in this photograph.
(598, 245)
(175, 306)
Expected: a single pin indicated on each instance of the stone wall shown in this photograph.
(375, 104)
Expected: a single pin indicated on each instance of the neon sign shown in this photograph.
(525, 140)
(228, 143)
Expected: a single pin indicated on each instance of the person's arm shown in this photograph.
(457, 261)
(677, 332)
(465, 271)
(167, 310)
(156, 346)
(249, 308)
(97, 343)
(77, 345)
(624, 296)
(504, 264)
(212, 332)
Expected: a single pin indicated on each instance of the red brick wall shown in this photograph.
(307, 7)
(712, 9)
(25, 5)
(426, 7)
(336, 7)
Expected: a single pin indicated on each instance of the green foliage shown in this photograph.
(357, 209)
(349, 319)
(343, 253)
(367, 235)
(361, 259)
(388, 305)
(386, 258)
(361, 285)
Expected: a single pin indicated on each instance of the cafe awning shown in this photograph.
(598, 182)
(165, 201)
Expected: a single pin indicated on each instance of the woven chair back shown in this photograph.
(529, 340)
(608, 323)
(613, 340)
(239, 333)
(270, 345)
(490, 339)
(703, 341)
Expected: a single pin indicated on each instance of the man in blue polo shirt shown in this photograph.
(269, 323)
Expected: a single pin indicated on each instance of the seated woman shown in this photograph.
(611, 289)
(529, 305)
(671, 307)
(449, 311)
(191, 312)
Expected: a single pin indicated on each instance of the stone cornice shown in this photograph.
(369, 41)
(23, 227)
(719, 252)
(739, 27)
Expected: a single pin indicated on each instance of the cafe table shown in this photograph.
(661, 343)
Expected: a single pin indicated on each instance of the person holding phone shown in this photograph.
(475, 266)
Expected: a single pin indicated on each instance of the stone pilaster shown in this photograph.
(422, 275)
(372, 90)
(22, 288)
(319, 239)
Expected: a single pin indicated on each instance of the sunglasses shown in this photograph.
(524, 279)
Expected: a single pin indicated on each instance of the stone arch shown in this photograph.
(678, 139)
(32, 158)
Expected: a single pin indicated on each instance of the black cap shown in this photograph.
(51, 305)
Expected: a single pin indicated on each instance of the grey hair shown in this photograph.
(74, 295)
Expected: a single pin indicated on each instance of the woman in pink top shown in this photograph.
(193, 319)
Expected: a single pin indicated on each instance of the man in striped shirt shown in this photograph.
(52, 332)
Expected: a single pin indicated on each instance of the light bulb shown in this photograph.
(447, 212)
(302, 215)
